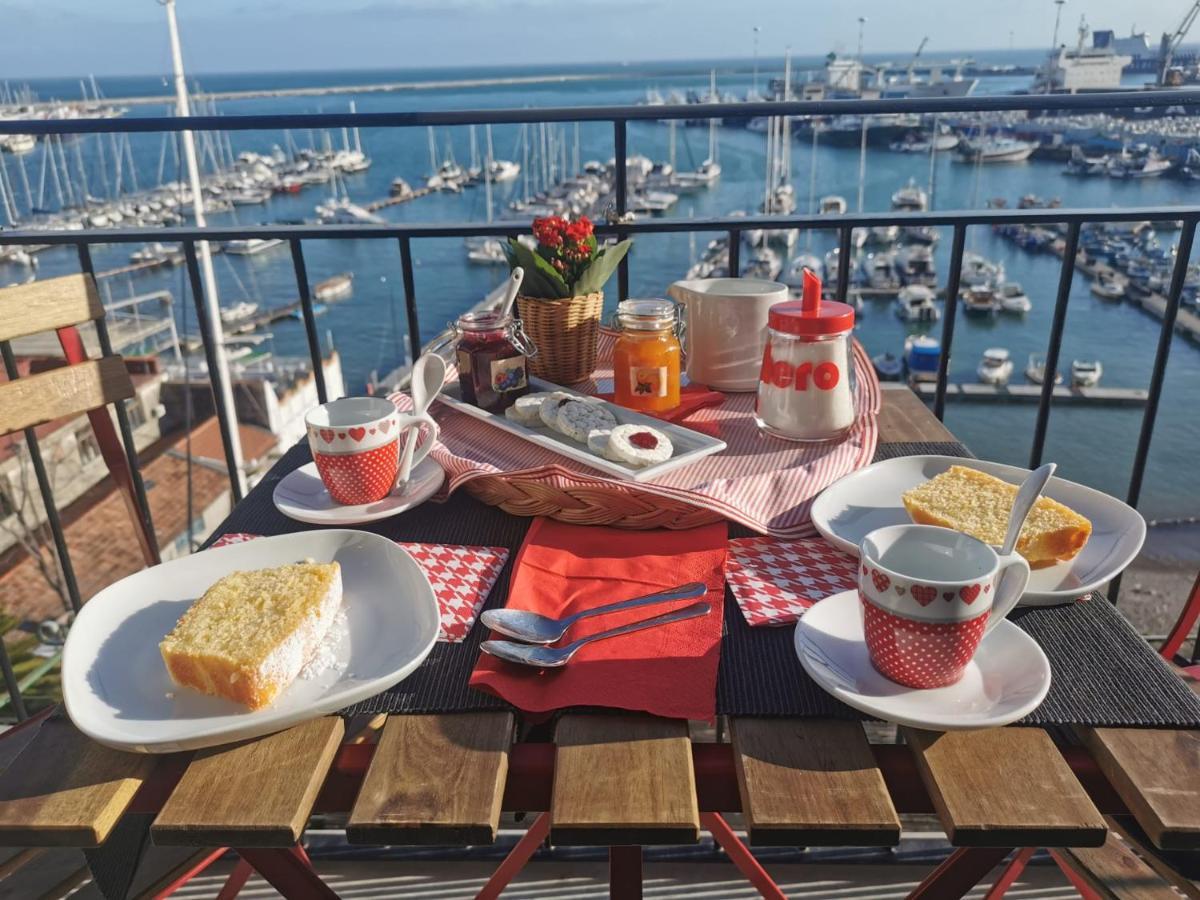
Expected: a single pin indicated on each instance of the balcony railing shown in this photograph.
(619, 227)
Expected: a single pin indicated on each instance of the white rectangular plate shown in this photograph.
(689, 445)
(116, 686)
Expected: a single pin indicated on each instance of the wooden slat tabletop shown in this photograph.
(624, 780)
(1004, 787)
(434, 780)
(256, 793)
(813, 782)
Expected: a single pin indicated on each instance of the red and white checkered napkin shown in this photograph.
(776, 581)
(462, 578)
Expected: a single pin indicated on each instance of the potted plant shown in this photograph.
(562, 294)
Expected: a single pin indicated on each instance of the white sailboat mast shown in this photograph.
(211, 303)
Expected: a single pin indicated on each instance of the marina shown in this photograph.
(973, 392)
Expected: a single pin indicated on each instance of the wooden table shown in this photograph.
(619, 781)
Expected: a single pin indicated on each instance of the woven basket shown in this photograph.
(565, 333)
(588, 505)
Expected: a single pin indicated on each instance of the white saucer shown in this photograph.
(302, 496)
(1007, 679)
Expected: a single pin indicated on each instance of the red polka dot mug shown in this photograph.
(356, 443)
(929, 595)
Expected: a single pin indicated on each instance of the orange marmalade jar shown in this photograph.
(647, 356)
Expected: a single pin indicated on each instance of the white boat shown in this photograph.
(832, 205)
(883, 235)
(344, 212)
(879, 271)
(705, 176)
(350, 162)
(915, 265)
(251, 246)
(1081, 164)
(400, 188)
(1035, 370)
(977, 270)
(915, 303)
(336, 287)
(1012, 298)
(1108, 288)
(980, 300)
(487, 253)
(239, 311)
(910, 198)
(995, 150)
(157, 254)
(18, 143)
(249, 196)
(502, 170)
(995, 367)
(1086, 372)
(1142, 162)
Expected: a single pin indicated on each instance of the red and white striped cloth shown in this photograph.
(763, 482)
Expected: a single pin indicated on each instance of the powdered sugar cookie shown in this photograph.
(548, 411)
(639, 445)
(527, 409)
(577, 418)
(597, 442)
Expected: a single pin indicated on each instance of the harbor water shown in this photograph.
(1093, 444)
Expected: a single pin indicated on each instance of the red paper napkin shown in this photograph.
(692, 398)
(776, 581)
(462, 578)
(668, 671)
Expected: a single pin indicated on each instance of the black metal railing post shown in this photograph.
(11, 684)
(46, 489)
(949, 313)
(216, 378)
(410, 298)
(131, 452)
(734, 260)
(845, 235)
(310, 318)
(621, 188)
(1065, 276)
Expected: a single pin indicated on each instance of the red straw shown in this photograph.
(810, 305)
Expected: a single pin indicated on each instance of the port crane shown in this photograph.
(912, 63)
(1170, 43)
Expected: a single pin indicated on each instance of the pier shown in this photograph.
(397, 199)
(971, 392)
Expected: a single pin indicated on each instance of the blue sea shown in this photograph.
(1092, 445)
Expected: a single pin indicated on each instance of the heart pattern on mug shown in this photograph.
(919, 654)
(987, 588)
(357, 433)
(385, 426)
(327, 435)
(948, 596)
(342, 435)
(881, 581)
(901, 590)
(969, 593)
(924, 594)
(361, 477)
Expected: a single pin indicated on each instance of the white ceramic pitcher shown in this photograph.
(726, 328)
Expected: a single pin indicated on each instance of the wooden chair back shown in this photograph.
(82, 386)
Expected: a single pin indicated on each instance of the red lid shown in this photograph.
(811, 316)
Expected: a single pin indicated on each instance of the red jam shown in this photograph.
(491, 368)
(643, 440)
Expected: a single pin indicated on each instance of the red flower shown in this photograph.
(580, 229)
(548, 230)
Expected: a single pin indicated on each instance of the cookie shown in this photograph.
(527, 409)
(597, 441)
(548, 411)
(639, 445)
(577, 418)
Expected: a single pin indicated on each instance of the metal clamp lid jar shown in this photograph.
(491, 352)
(806, 384)
(647, 356)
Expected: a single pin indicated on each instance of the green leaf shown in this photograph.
(602, 267)
(542, 280)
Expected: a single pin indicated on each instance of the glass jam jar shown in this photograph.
(491, 352)
(806, 384)
(646, 358)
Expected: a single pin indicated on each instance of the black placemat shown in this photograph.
(1104, 673)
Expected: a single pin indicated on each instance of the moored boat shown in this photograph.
(921, 357)
(1086, 372)
(996, 367)
(915, 303)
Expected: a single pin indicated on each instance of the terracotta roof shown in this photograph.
(101, 538)
(257, 442)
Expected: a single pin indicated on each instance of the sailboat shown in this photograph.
(707, 173)
(350, 161)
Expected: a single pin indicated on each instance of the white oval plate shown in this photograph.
(870, 498)
(301, 495)
(1007, 679)
(116, 687)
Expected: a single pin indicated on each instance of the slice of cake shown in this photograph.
(979, 504)
(252, 632)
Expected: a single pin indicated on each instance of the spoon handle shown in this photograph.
(1027, 495)
(683, 592)
(676, 615)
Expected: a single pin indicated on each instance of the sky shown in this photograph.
(40, 38)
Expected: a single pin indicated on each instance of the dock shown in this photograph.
(397, 199)
(972, 392)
